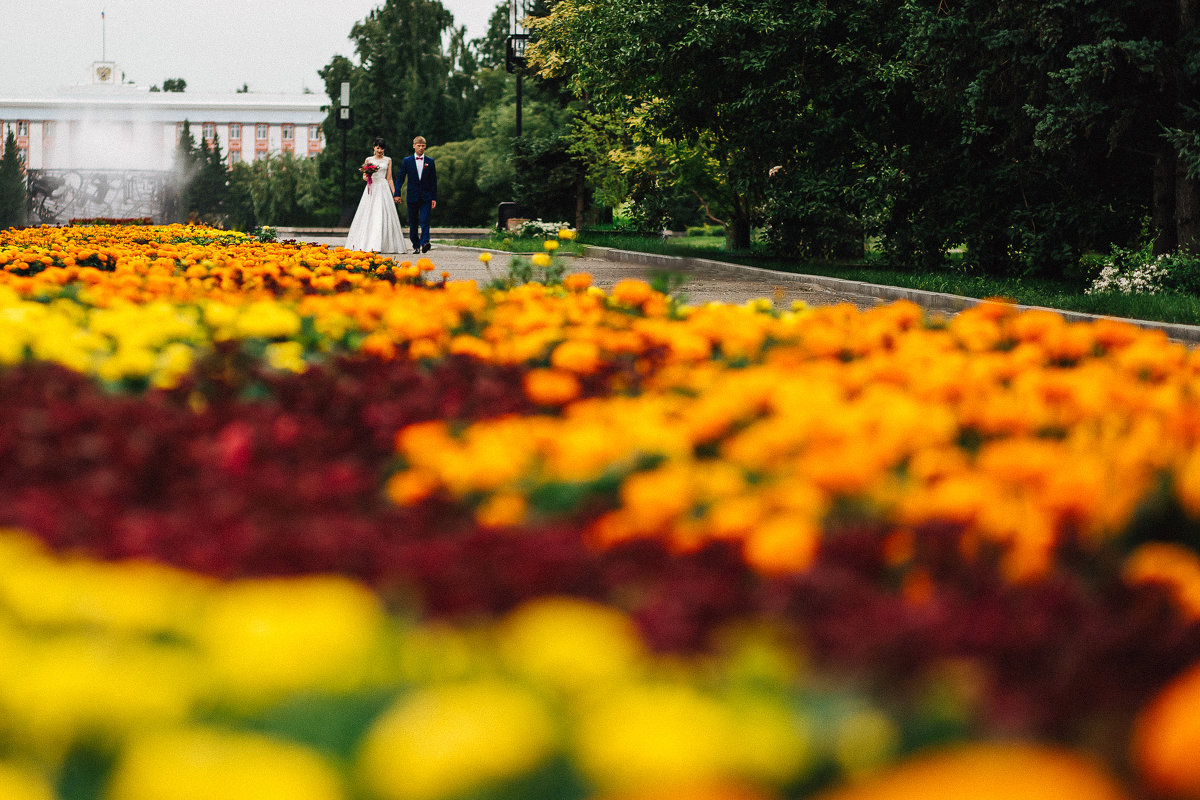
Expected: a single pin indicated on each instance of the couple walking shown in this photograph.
(376, 224)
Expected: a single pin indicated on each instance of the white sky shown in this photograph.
(214, 45)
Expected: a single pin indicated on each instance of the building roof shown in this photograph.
(85, 102)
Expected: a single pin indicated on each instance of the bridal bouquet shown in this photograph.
(369, 169)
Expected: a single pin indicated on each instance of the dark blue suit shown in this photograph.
(422, 193)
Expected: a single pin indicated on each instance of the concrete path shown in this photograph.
(709, 281)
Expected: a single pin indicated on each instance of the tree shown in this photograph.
(694, 69)
(276, 190)
(490, 48)
(415, 75)
(12, 184)
(174, 85)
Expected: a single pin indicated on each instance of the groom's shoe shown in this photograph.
(425, 248)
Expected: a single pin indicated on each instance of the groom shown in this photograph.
(418, 170)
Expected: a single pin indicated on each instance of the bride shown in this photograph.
(376, 224)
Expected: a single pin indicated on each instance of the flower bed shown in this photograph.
(290, 521)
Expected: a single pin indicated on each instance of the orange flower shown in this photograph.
(632, 292)
(577, 281)
(580, 357)
(989, 772)
(551, 387)
(1167, 738)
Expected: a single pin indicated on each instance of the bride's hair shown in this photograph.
(380, 143)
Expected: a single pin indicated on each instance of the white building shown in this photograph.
(106, 125)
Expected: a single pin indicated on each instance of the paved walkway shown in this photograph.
(708, 280)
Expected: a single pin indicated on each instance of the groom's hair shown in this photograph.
(419, 140)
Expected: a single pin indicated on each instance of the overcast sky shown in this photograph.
(214, 45)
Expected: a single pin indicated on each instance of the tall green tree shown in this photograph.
(414, 76)
(12, 184)
(712, 70)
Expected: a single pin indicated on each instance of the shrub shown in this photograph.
(1140, 272)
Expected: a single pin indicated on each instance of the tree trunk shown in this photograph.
(580, 202)
(1187, 212)
(1187, 190)
(1162, 213)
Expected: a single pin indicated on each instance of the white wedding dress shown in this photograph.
(376, 225)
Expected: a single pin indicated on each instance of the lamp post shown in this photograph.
(514, 63)
(514, 47)
(345, 121)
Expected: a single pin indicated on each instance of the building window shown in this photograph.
(260, 131)
(210, 131)
(314, 133)
(235, 157)
(260, 155)
(287, 131)
(235, 131)
(23, 128)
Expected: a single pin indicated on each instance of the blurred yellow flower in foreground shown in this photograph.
(446, 741)
(210, 764)
(19, 783)
(269, 637)
(645, 736)
(571, 644)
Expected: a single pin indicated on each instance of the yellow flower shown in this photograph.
(446, 741)
(211, 764)
(22, 783)
(287, 356)
(550, 245)
(640, 736)
(485, 257)
(540, 260)
(267, 637)
(566, 234)
(575, 645)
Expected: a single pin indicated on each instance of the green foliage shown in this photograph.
(12, 185)
(1027, 131)
(414, 76)
(470, 181)
(278, 190)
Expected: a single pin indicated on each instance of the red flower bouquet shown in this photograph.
(369, 169)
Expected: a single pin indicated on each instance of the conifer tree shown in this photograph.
(12, 185)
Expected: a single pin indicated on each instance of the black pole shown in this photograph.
(518, 105)
(343, 203)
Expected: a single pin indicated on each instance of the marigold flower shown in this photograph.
(445, 741)
(190, 763)
(1167, 738)
(632, 291)
(578, 281)
(551, 387)
(485, 257)
(988, 772)
(540, 260)
(579, 357)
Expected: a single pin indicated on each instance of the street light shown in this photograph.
(345, 121)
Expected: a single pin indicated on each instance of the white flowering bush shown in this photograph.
(542, 230)
(1132, 276)
(1139, 272)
